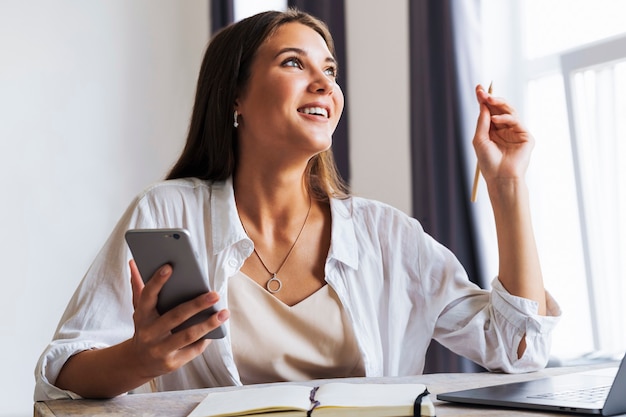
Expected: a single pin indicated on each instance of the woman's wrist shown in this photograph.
(507, 192)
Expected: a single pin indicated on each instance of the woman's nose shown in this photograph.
(322, 84)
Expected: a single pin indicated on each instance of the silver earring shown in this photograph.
(236, 123)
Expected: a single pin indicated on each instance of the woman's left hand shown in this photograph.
(503, 147)
(502, 144)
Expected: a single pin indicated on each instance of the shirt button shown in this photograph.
(233, 263)
(246, 244)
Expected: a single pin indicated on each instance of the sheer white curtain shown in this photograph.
(595, 86)
(469, 49)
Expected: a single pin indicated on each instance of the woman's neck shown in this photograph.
(271, 200)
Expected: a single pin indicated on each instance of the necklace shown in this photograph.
(274, 284)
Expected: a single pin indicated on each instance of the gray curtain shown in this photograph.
(222, 14)
(441, 198)
(332, 12)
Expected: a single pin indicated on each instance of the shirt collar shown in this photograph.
(343, 242)
(225, 223)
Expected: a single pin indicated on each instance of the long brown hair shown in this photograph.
(210, 152)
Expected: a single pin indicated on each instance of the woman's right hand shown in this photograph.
(159, 351)
(152, 351)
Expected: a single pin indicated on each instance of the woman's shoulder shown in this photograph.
(176, 194)
(183, 189)
(367, 210)
(363, 205)
(171, 201)
(175, 186)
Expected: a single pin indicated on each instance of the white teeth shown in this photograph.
(315, 110)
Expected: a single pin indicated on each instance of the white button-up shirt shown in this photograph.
(398, 286)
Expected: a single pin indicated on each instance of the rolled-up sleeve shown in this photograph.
(517, 318)
(488, 326)
(49, 367)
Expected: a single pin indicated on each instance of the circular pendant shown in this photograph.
(273, 285)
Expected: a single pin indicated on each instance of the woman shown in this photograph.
(314, 283)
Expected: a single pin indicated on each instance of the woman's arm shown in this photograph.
(152, 351)
(503, 147)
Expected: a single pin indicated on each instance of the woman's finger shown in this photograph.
(154, 285)
(136, 283)
(483, 125)
(145, 296)
(495, 104)
(178, 315)
(506, 120)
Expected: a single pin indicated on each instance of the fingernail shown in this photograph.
(212, 297)
(165, 269)
(223, 315)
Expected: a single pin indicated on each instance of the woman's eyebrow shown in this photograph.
(299, 51)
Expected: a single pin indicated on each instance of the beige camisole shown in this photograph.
(275, 342)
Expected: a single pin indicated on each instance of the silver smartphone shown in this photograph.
(153, 248)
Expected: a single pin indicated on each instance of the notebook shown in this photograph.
(601, 392)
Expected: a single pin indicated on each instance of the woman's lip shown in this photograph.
(315, 117)
(318, 106)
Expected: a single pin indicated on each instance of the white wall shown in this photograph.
(95, 99)
(378, 100)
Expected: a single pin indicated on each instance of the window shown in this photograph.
(245, 8)
(593, 79)
(572, 78)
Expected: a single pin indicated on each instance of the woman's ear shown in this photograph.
(236, 114)
(235, 119)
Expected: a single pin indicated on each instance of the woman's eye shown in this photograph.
(292, 62)
(331, 72)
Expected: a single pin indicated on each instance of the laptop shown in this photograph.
(601, 392)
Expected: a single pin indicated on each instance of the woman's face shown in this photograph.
(291, 104)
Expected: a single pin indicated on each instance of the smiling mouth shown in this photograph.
(317, 111)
